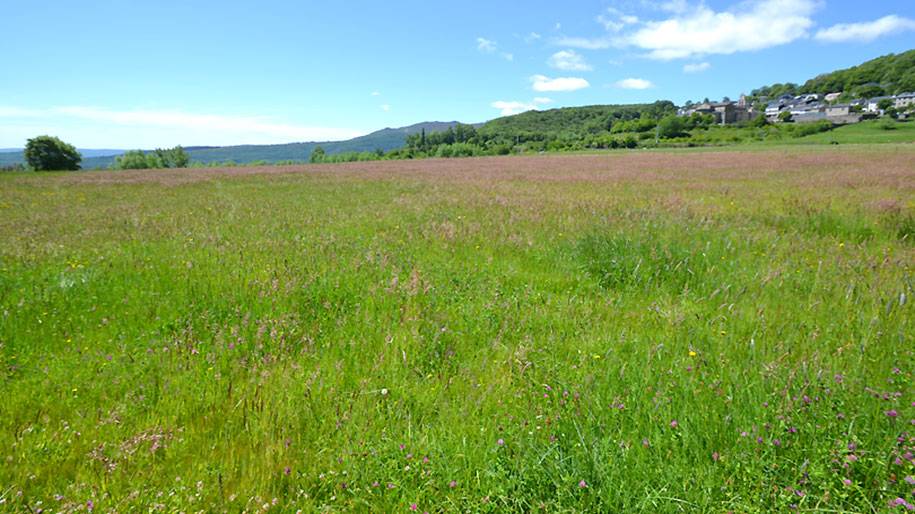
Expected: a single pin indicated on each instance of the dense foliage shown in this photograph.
(175, 157)
(47, 153)
(888, 75)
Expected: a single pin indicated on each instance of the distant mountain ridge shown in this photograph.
(385, 139)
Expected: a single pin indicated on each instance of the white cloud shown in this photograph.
(545, 84)
(699, 30)
(507, 56)
(865, 31)
(697, 67)
(386, 107)
(143, 128)
(569, 60)
(486, 46)
(509, 108)
(376, 93)
(532, 37)
(633, 83)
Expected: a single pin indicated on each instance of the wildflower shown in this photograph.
(452, 484)
(413, 507)
(891, 413)
(776, 442)
(692, 353)
(90, 505)
(384, 392)
(582, 485)
(847, 482)
(501, 442)
(645, 442)
(391, 485)
(852, 457)
(909, 480)
(287, 470)
(852, 446)
(674, 424)
(375, 485)
(715, 457)
(792, 430)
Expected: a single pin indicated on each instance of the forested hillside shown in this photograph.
(888, 75)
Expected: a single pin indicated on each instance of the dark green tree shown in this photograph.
(317, 155)
(47, 153)
(785, 117)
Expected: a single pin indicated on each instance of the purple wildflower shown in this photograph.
(452, 484)
(501, 442)
(674, 424)
(582, 485)
(891, 413)
(846, 482)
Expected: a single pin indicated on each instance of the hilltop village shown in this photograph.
(804, 108)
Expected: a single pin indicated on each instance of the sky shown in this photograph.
(127, 74)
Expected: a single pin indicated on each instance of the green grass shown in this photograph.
(866, 132)
(368, 341)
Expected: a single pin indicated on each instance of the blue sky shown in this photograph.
(126, 74)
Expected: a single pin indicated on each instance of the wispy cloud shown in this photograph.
(865, 31)
(697, 67)
(544, 84)
(488, 46)
(568, 60)
(584, 43)
(96, 126)
(386, 107)
(509, 108)
(376, 93)
(633, 83)
(615, 20)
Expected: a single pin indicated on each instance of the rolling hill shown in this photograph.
(385, 139)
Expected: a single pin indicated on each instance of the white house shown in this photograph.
(873, 103)
(904, 100)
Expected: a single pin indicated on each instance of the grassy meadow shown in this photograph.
(627, 332)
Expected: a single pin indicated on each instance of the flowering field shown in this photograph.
(646, 332)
